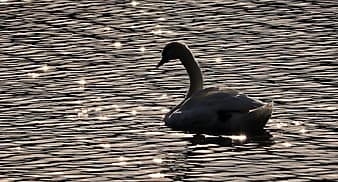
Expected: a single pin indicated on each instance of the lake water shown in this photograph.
(80, 99)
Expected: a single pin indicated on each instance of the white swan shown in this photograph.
(212, 110)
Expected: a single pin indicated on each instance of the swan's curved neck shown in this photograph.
(194, 72)
(195, 76)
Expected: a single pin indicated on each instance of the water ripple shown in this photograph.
(80, 98)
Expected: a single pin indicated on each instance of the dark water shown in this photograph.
(80, 99)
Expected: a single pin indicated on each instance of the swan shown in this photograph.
(212, 110)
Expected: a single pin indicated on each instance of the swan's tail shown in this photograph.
(261, 116)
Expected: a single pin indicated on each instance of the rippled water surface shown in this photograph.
(80, 99)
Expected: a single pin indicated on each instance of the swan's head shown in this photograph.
(172, 51)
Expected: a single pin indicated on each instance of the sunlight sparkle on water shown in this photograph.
(134, 112)
(218, 60)
(107, 29)
(121, 161)
(105, 145)
(156, 175)
(82, 113)
(157, 32)
(134, 3)
(164, 96)
(287, 144)
(98, 109)
(44, 68)
(281, 125)
(331, 108)
(238, 137)
(161, 19)
(33, 75)
(165, 110)
(18, 148)
(121, 158)
(102, 118)
(181, 134)
(118, 44)
(81, 82)
(57, 173)
(142, 49)
(116, 107)
(157, 160)
(297, 123)
(303, 130)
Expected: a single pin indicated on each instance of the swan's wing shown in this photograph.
(221, 99)
(215, 110)
(203, 120)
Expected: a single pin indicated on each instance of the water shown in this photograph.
(81, 101)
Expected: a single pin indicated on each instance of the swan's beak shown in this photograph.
(161, 62)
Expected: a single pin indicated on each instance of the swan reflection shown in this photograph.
(262, 139)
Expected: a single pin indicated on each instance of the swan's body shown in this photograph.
(212, 110)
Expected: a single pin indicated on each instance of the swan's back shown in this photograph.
(221, 98)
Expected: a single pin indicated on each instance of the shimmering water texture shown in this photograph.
(80, 99)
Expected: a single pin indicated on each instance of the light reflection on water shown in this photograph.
(142, 49)
(33, 75)
(80, 98)
(157, 160)
(45, 68)
(287, 144)
(82, 82)
(118, 44)
(156, 175)
(134, 3)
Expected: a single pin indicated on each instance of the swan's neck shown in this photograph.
(194, 72)
(195, 76)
